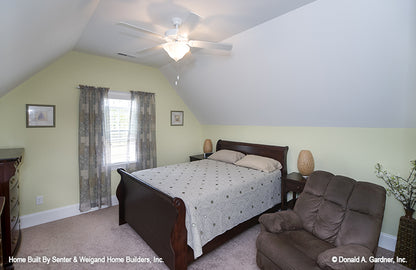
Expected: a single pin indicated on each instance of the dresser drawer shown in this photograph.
(10, 162)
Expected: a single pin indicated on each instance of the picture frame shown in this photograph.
(176, 118)
(40, 116)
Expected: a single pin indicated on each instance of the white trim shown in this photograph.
(38, 218)
(386, 241)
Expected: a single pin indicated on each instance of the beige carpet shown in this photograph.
(97, 235)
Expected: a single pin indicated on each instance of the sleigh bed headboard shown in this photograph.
(278, 153)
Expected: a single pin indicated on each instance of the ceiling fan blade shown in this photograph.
(149, 50)
(210, 45)
(190, 23)
(129, 25)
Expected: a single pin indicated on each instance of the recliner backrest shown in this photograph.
(340, 210)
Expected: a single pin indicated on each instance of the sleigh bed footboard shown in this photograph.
(158, 218)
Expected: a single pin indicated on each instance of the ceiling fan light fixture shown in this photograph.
(176, 49)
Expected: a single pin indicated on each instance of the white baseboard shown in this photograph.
(38, 218)
(386, 241)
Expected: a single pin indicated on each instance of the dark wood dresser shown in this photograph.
(10, 161)
(2, 201)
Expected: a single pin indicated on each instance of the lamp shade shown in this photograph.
(207, 146)
(176, 49)
(306, 163)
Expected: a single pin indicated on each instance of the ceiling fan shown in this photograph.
(176, 41)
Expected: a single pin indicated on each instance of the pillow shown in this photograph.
(227, 156)
(259, 163)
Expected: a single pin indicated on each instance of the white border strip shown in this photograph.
(386, 241)
(38, 218)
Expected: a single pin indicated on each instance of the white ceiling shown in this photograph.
(219, 20)
(344, 63)
(294, 62)
(35, 33)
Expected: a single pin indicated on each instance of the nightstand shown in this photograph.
(199, 157)
(293, 182)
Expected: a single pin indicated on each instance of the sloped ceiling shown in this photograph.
(348, 63)
(344, 63)
(219, 20)
(35, 33)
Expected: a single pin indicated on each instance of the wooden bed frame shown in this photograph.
(160, 219)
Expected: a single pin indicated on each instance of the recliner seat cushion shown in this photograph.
(295, 248)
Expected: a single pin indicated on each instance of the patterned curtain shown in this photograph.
(142, 132)
(94, 148)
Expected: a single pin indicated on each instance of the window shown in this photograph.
(122, 149)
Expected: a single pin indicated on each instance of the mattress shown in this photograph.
(217, 195)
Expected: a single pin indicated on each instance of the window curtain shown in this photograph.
(142, 131)
(94, 148)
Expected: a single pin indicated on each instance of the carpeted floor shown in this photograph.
(97, 236)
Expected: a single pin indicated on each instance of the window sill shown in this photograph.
(115, 166)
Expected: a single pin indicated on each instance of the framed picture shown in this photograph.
(40, 116)
(176, 118)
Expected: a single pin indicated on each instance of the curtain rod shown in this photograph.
(120, 91)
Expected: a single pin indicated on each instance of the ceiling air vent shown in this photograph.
(125, 55)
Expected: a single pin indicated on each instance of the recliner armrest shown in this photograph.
(280, 221)
(348, 257)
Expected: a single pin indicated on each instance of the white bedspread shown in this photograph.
(217, 195)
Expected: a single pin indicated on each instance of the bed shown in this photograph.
(160, 218)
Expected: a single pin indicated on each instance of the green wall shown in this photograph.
(50, 165)
(351, 152)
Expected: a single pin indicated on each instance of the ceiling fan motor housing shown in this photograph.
(177, 22)
(171, 33)
(177, 43)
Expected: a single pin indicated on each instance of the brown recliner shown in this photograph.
(335, 224)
